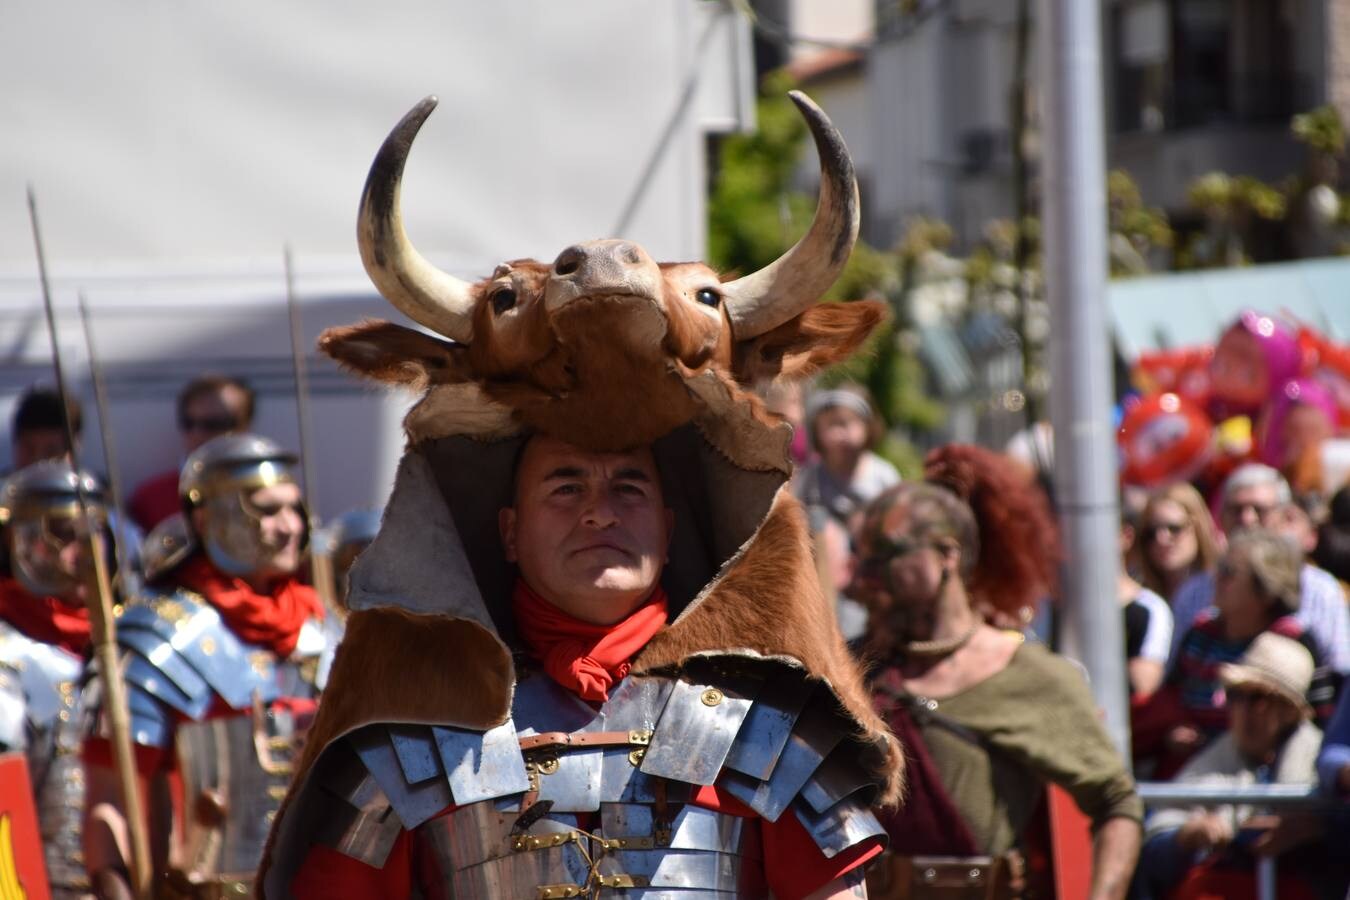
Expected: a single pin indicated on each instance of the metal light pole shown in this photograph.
(1075, 253)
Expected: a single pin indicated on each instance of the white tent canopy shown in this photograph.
(175, 148)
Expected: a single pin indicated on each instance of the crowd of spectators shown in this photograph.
(1237, 639)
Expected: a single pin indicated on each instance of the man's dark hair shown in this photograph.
(205, 385)
(40, 408)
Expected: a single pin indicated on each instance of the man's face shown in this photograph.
(36, 444)
(1249, 507)
(275, 523)
(211, 414)
(1258, 719)
(50, 552)
(281, 523)
(589, 531)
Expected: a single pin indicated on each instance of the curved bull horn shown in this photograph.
(790, 284)
(418, 289)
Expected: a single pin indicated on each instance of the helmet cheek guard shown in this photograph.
(41, 507)
(218, 480)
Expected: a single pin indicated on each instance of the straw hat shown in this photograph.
(1276, 664)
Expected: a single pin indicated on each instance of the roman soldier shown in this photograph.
(220, 660)
(588, 654)
(44, 642)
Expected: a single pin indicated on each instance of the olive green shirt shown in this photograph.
(1040, 718)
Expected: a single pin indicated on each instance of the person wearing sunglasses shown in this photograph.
(208, 407)
(1257, 496)
(1176, 539)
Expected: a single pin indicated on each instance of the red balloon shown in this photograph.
(1163, 438)
(1183, 371)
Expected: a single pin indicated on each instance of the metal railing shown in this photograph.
(1285, 797)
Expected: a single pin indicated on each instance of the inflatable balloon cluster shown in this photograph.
(1266, 391)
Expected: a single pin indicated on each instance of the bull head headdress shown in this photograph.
(607, 349)
(577, 339)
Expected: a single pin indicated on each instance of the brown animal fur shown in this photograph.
(409, 668)
(800, 347)
(770, 602)
(395, 355)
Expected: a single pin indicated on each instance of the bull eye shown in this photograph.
(708, 297)
(503, 300)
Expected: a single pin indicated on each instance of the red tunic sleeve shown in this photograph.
(794, 865)
(328, 874)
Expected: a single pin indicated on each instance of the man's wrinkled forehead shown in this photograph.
(544, 458)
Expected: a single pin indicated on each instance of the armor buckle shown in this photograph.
(552, 891)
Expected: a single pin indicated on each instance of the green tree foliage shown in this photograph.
(1321, 129)
(754, 215)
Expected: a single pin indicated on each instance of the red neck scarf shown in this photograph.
(272, 620)
(45, 619)
(584, 658)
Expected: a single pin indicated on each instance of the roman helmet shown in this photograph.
(41, 508)
(342, 540)
(218, 478)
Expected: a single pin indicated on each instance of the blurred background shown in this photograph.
(176, 148)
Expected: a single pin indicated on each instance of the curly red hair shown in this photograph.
(1016, 561)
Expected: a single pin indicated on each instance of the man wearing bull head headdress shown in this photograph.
(587, 653)
(44, 641)
(219, 660)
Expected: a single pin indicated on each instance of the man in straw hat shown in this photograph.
(1270, 740)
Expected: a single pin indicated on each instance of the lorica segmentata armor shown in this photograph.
(566, 800)
(39, 714)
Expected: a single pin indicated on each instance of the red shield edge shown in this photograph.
(23, 874)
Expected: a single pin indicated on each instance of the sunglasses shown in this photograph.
(1262, 510)
(210, 424)
(1173, 529)
(1237, 696)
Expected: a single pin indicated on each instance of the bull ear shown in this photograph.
(396, 355)
(818, 338)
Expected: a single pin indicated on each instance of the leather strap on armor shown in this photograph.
(895, 877)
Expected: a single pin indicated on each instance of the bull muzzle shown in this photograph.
(602, 269)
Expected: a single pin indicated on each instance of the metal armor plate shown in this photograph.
(235, 771)
(44, 684)
(570, 800)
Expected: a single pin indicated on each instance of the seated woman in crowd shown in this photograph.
(843, 428)
(1270, 740)
(1256, 591)
(986, 718)
(1148, 622)
(1176, 540)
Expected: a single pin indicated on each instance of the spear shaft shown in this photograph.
(320, 564)
(99, 600)
(301, 387)
(105, 433)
